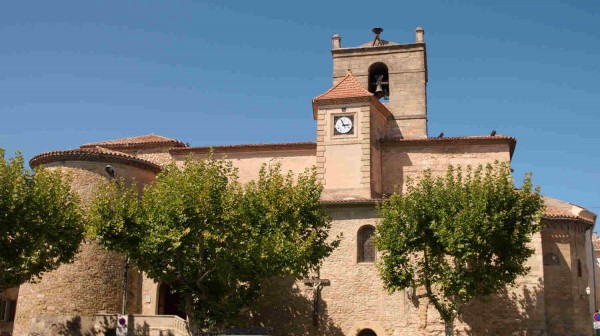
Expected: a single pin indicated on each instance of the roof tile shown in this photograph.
(246, 148)
(94, 154)
(348, 87)
(142, 141)
(556, 213)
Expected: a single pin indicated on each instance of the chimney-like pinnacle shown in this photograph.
(336, 41)
(420, 33)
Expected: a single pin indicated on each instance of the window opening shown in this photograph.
(379, 81)
(366, 247)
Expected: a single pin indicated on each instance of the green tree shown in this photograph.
(459, 237)
(41, 223)
(212, 239)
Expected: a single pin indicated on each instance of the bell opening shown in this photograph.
(379, 79)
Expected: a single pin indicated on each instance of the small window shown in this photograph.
(366, 247)
(551, 259)
(367, 332)
(7, 310)
(579, 271)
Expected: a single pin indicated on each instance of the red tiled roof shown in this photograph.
(142, 141)
(512, 142)
(596, 242)
(95, 154)
(556, 213)
(452, 139)
(348, 87)
(348, 90)
(246, 148)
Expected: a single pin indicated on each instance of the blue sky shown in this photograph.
(225, 72)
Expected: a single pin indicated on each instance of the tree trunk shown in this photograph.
(449, 326)
(192, 326)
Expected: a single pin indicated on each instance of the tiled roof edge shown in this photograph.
(459, 140)
(148, 144)
(83, 155)
(246, 147)
(554, 216)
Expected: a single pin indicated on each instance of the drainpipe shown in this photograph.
(125, 278)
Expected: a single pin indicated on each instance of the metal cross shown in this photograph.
(317, 284)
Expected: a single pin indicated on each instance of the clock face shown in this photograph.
(343, 125)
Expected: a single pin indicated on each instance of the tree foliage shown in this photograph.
(212, 239)
(460, 236)
(41, 224)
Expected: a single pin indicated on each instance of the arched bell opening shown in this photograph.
(379, 81)
(169, 302)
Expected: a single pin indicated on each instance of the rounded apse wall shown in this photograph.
(93, 283)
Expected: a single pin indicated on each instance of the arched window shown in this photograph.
(366, 248)
(379, 80)
(367, 332)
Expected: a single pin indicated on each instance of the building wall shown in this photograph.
(378, 124)
(596, 266)
(93, 282)
(356, 299)
(567, 303)
(249, 163)
(516, 310)
(346, 160)
(402, 161)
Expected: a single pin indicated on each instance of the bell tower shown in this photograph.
(396, 73)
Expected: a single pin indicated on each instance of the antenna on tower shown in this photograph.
(377, 40)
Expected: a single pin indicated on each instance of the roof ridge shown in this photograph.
(135, 141)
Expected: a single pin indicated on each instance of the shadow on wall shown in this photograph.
(285, 310)
(75, 327)
(516, 312)
(103, 326)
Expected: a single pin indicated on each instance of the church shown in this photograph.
(371, 135)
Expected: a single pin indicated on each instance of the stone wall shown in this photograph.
(356, 299)
(249, 163)
(407, 70)
(566, 277)
(401, 161)
(93, 282)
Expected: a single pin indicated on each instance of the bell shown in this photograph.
(379, 91)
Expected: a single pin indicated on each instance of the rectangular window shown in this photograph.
(7, 310)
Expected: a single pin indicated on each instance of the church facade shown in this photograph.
(371, 135)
